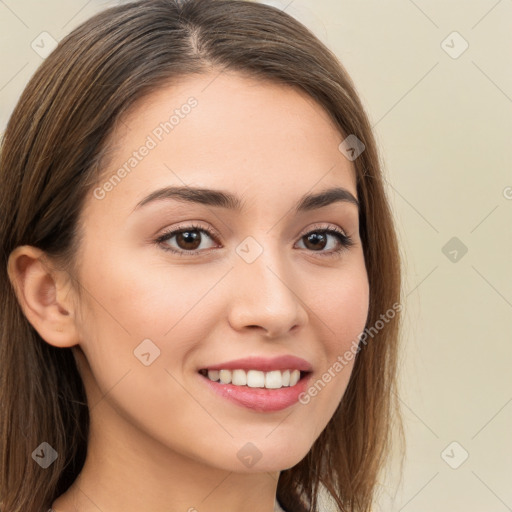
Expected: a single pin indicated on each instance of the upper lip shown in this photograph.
(265, 364)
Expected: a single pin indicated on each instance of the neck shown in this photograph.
(127, 471)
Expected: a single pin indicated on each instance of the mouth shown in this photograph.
(275, 379)
(259, 383)
(258, 391)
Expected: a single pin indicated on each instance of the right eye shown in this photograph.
(188, 239)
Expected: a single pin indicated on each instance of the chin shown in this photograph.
(269, 458)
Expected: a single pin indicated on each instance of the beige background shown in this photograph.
(444, 123)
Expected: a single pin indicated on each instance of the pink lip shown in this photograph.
(264, 364)
(260, 399)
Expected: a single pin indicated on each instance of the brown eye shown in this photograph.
(187, 240)
(319, 239)
(315, 241)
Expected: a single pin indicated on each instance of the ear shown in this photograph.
(44, 294)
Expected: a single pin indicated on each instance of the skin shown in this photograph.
(160, 439)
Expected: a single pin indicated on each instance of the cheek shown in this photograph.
(127, 304)
(342, 305)
(149, 300)
(341, 310)
(130, 302)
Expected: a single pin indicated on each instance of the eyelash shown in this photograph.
(345, 241)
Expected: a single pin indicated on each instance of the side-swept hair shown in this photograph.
(50, 157)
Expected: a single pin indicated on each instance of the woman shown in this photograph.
(200, 277)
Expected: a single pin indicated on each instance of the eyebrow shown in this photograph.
(229, 201)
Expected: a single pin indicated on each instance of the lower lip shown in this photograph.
(260, 399)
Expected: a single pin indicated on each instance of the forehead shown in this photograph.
(223, 130)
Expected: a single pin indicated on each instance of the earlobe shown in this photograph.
(43, 295)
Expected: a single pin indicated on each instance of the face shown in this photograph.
(173, 285)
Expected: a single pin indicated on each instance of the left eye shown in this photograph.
(189, 239)
(319, 239)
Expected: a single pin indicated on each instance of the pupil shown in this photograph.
(317, 240)
(188, 238)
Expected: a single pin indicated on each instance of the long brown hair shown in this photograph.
(51, 158)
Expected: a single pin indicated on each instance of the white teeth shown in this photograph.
(239, 378)
(273, 380)
(294, 377)
(256, 379)
(213, 375)
(225, 376)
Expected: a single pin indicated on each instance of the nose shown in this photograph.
(266, 297)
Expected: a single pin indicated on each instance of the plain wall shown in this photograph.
(443, 121)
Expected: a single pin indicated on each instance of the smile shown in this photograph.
(255, 378)
(257, 394)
